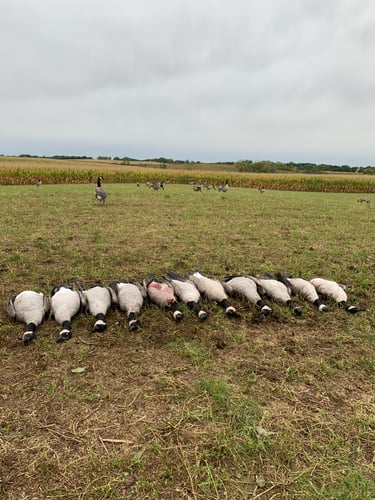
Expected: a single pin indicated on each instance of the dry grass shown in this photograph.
(249, 408)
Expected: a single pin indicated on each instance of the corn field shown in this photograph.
(23, 171)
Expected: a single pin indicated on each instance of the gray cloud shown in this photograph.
(213, 80)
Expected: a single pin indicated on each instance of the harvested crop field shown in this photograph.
(237, 408)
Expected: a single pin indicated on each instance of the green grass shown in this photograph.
(278, 407)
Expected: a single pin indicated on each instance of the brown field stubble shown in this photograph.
(246, 408)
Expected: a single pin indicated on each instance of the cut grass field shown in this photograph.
(278, 407)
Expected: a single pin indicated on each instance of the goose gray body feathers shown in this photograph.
(98, 301)
(100, 192)
(213, 290)
(129, 296)
(277, 291)
(65, 304)
(304, 289)
(29, 307)
(187, 292)
(245, 287)
(335, 292)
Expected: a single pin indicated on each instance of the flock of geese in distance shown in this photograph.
(66, 301)
(101, 194)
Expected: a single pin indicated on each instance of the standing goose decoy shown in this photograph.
(161, 293)
(276, 291)
(98, 302)
(157, 185)
(129, 296)
(187, 292)
(100, 192)
(304, 288)
(213, 290)
(29, 307)
(247, 288)
(336, 292)
(65, 304)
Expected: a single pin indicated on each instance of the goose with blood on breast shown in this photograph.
(161, 293)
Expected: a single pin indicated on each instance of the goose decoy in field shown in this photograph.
(65, 304)
(197, 188)
(244, 286)
(38, 183)
(213, 290)
(187, 292)
(303, 288)
(100, 192)
(223, 187)
(29, 307)
(336, 292)
(157, 185)
(129, 296)
(276, 291)
(161, 293)
(98, 302)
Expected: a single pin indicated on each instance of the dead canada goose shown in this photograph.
(162, 294)
(336, 292)
(244, 286)
(187, 292)
(98, 302)
(65, 304)
(29, 307)
(100, 192)
(304, 289)
(129, 296)
(213, 290)
(276, 291)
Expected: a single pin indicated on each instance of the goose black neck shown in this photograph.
(224, 304)
(66, 325)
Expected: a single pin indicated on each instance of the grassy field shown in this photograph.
(269, 408)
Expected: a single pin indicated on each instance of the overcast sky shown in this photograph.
(208, 80)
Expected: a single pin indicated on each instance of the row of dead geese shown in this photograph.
(65, 301)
